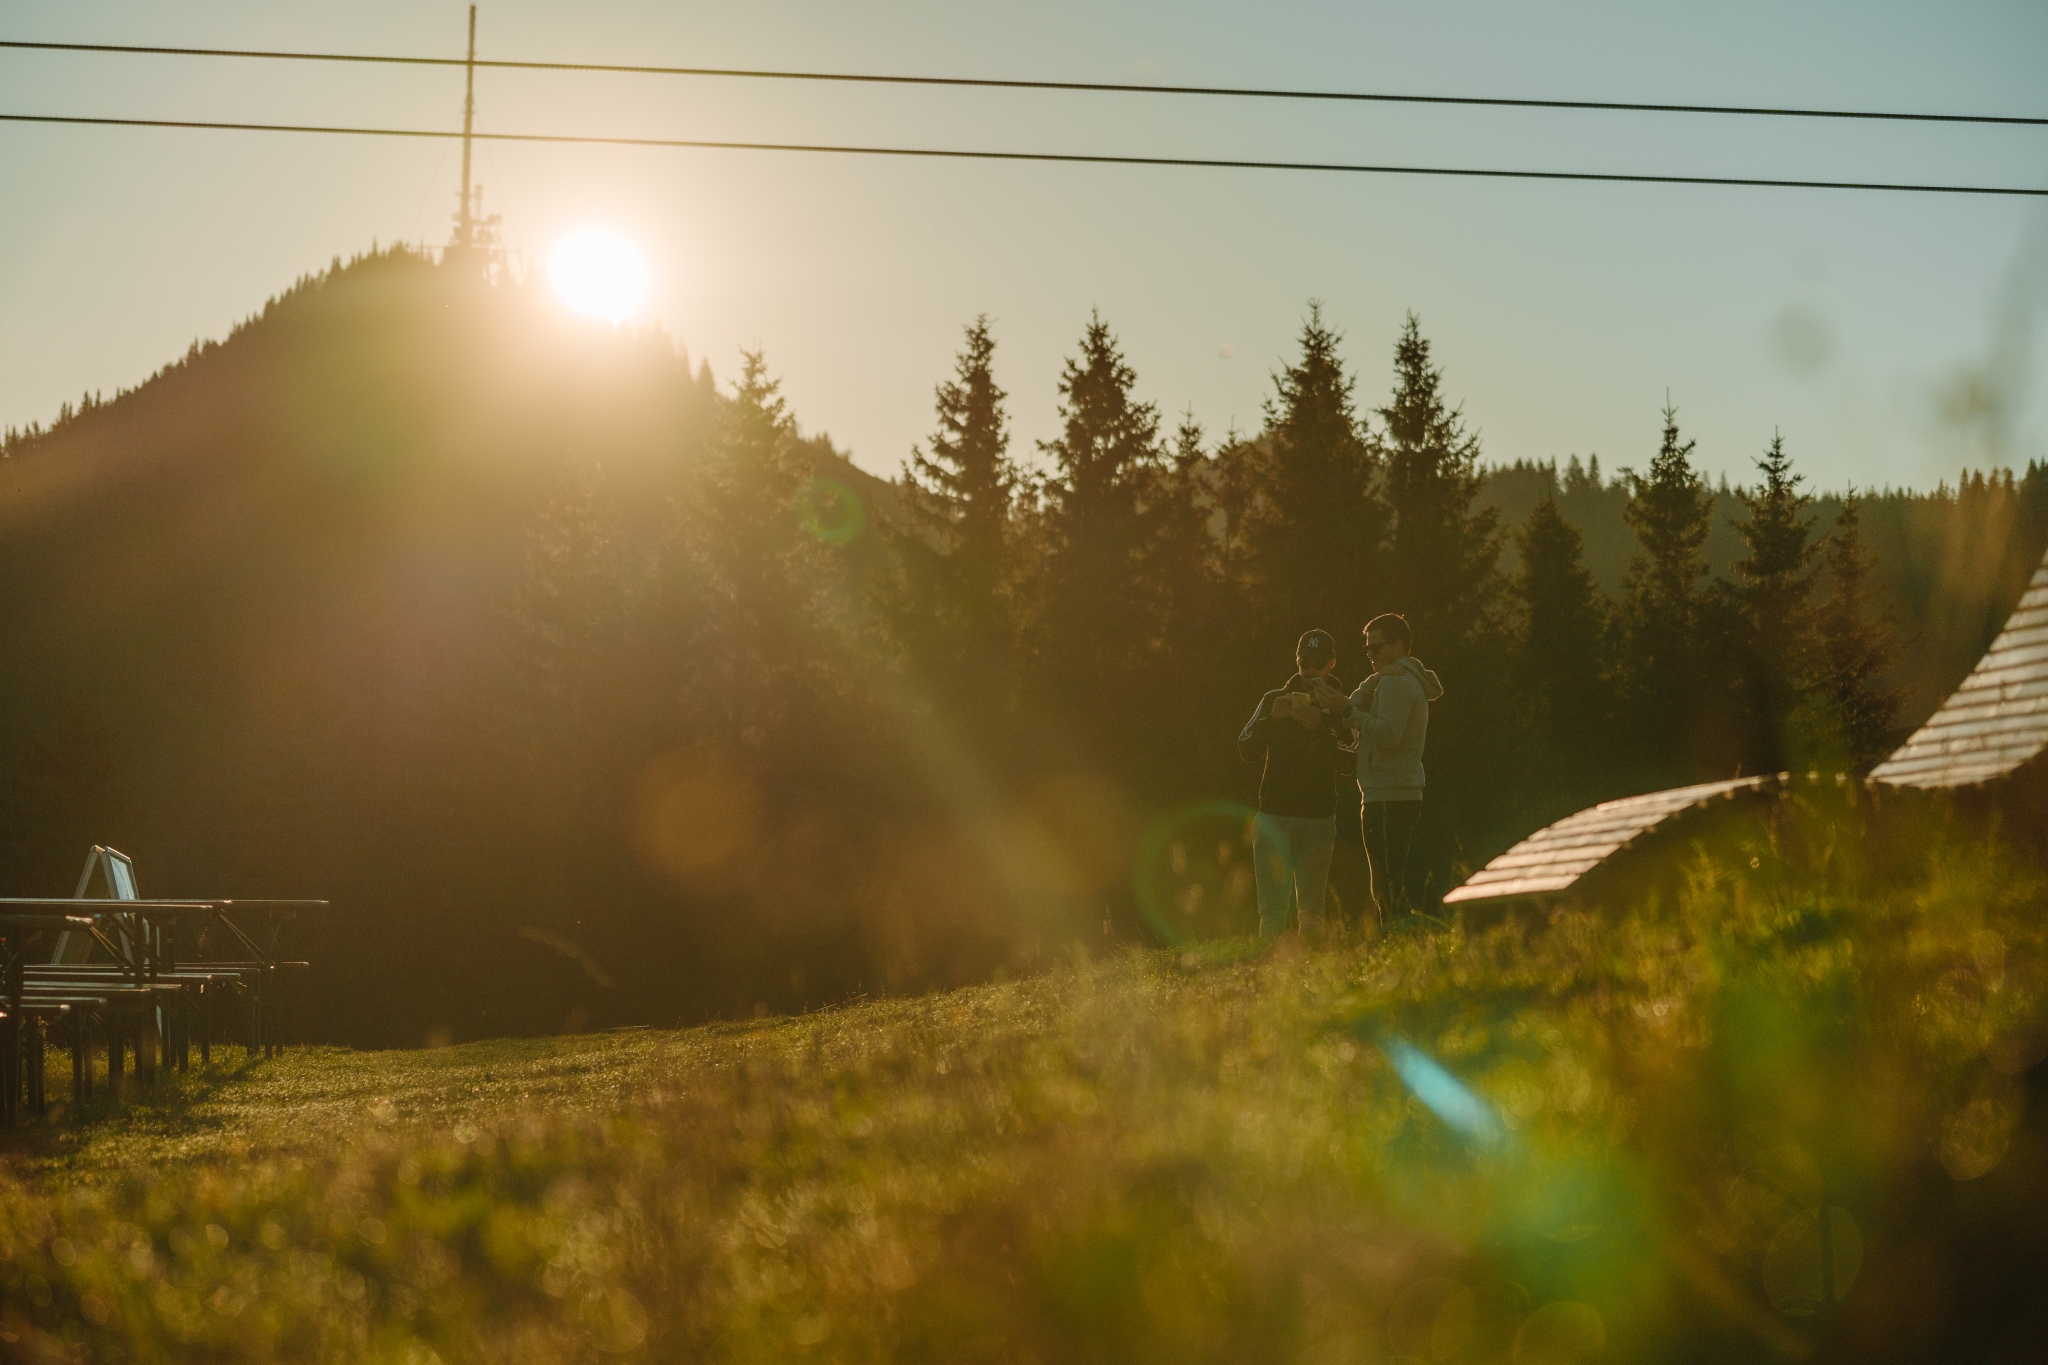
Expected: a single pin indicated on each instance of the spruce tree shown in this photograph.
(956, 613)
(1442, 573)
(1312, 520)
(752, 475)
(1181, 576)
(1182, 555)
(1662, 653)
(1770, 603)
(1847, 716)
(1561, 672)
(1444, 549)
(1098, 627)
(762, 579)
(1236, 495)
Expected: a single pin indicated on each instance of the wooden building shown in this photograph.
(1981, 749)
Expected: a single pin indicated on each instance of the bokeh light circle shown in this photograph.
(830, 511)
(1193, 876)
(599, 275)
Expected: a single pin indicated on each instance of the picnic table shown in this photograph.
(17, 930)
(138, 994)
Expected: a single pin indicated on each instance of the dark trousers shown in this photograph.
(1389, 828)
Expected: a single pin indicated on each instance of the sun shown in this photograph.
(599, 275)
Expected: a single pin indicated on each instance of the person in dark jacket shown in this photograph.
(1303, 747)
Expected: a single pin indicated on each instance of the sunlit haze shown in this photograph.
(599, 275)
(907, 681)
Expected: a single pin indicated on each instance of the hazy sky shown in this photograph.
(1562, 312)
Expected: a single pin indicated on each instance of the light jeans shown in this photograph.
(1291, 858)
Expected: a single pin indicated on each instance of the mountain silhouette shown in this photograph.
(256, 605)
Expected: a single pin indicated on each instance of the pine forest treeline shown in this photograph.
(597, 693)
(1332, 515)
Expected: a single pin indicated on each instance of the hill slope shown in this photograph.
(1536, 1142)
(259, 610)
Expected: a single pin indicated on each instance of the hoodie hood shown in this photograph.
(1432, 686)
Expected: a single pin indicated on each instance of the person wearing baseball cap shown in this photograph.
(1303, 746)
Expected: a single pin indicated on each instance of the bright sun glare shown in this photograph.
(599, 275)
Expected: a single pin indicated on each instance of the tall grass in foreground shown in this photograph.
(1786, 1106)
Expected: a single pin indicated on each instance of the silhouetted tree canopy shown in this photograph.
(1848, 716)
(1097, 634)
(1768, 609)
(1315, 519)
(1663, 622)
(1562, 670)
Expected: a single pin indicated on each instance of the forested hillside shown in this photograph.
(591, 693)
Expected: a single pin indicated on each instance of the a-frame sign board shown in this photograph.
(116, 872)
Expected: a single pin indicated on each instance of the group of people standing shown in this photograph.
(1310, 734)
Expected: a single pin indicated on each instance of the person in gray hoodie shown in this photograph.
(1390, 712)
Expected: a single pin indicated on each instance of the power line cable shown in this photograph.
(1072, 158)
(970, 82)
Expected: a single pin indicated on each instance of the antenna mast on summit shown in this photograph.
(465, 223)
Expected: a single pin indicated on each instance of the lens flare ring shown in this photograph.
(830, 511)
(1193, 873)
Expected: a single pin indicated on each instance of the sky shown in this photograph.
(1890, 338)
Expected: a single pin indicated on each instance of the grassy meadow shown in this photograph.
(1659, 1131)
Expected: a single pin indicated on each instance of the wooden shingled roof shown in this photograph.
(1554, 858)
(1996, 722)
(1998, 718)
